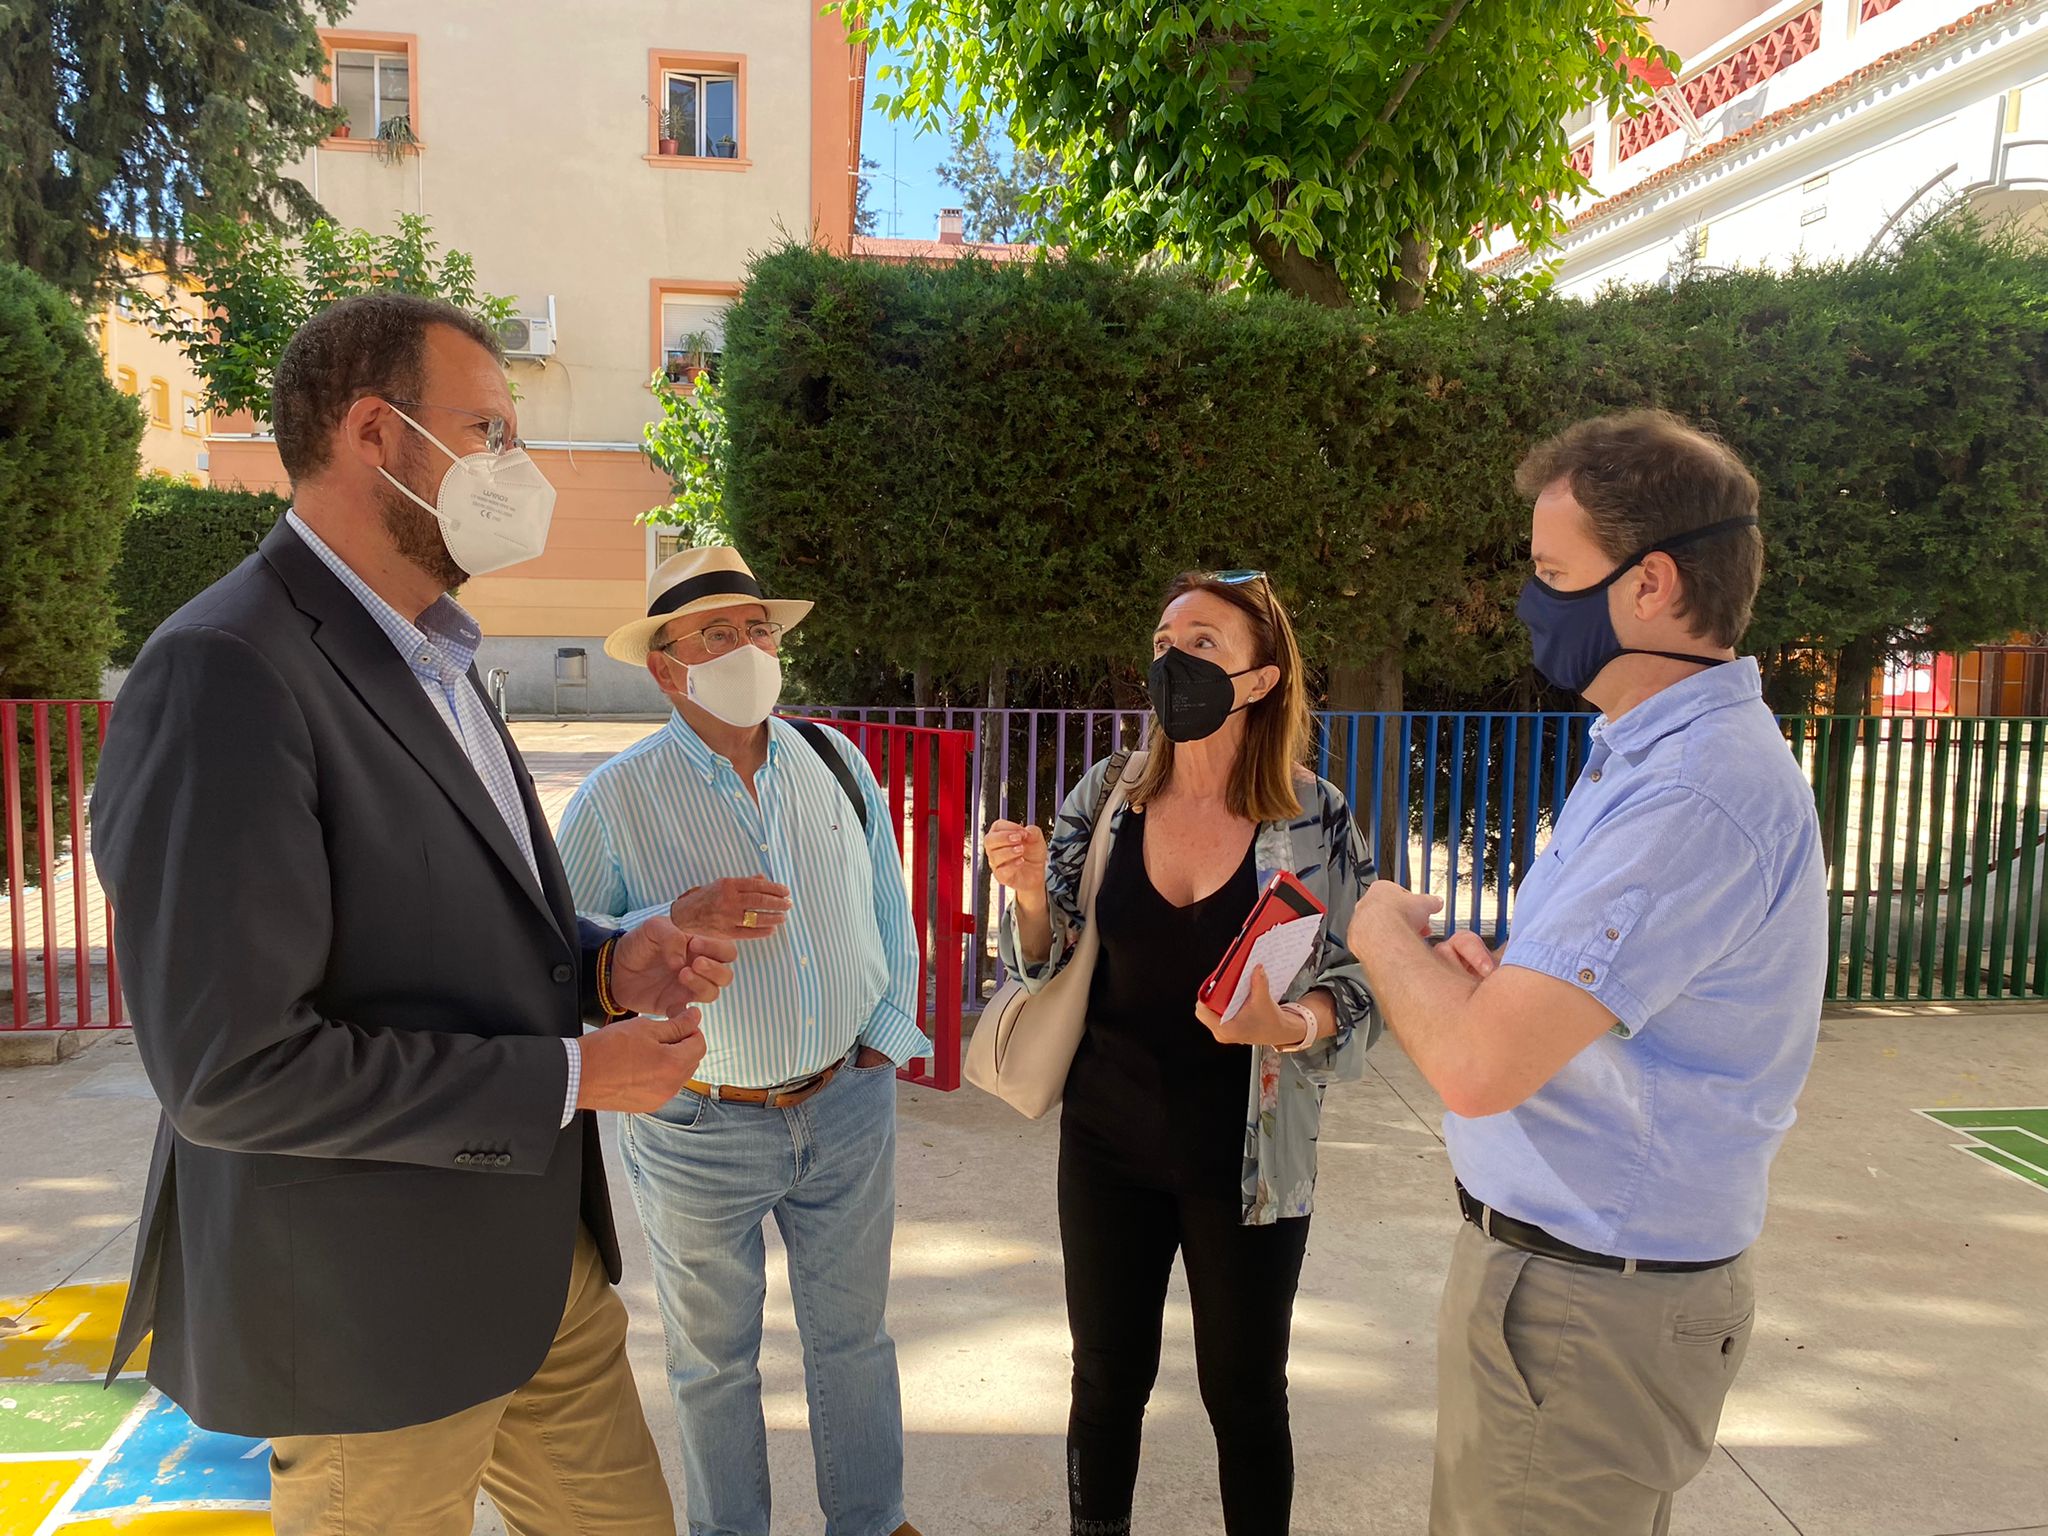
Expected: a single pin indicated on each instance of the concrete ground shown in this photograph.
(1897, 1384)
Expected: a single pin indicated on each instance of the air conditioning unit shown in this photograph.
(528, 335)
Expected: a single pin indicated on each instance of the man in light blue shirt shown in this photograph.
(1620, 1077)
(779, 838)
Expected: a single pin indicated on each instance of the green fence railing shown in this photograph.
(1934, 832)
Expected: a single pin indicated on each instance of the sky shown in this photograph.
(908, 205)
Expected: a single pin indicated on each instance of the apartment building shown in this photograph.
(612, 169)
(155, 371)
(1806, 128)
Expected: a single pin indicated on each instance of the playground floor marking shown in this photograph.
(135, 1465)
(2012, 1140)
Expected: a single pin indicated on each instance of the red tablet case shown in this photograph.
(1283, 901)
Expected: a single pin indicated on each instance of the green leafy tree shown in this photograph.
(1338, 152)
(1342, 153)
(688, 442)
(123, 121)
(67, 469)
(1007, 199)
(256, 287)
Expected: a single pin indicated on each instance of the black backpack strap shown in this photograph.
(835, 760)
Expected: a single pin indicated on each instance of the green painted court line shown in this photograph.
(2018, 1169)
(2014, 1140)
(63, 1418)
(2033, 1120)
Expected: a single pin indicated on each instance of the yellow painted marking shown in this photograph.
(29, 1490)
(69, 1335)
(172, 1522)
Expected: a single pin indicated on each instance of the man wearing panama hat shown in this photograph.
(779, 837)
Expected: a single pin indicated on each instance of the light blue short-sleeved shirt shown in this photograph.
(1683, 889)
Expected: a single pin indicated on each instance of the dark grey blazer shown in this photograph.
(350, 996)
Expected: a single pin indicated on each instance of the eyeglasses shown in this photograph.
(497, 431)
(720, 638)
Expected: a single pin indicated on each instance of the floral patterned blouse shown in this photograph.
(1284, 1106)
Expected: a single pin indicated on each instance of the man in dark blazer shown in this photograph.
(376, 1229)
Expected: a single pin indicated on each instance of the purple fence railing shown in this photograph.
(1452, 804)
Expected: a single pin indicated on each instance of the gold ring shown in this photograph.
(750, 919)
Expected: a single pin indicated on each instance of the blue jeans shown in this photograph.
(705, 1177)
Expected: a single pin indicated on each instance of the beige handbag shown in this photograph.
(1024, 1045)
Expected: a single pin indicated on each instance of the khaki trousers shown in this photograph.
(566, 1454)
(1574, 1401)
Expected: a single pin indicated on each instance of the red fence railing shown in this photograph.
(923, 772)
(62, 972)
(57, 917)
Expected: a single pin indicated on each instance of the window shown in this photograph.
(702, 117)
(374, 78)
(124, 380)
(129, 308)
(372, 88)
(697, 110)
(194, 424)
(692, 332)
(667, 542)
(159, 403)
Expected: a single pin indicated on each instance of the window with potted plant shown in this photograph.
(677, 124)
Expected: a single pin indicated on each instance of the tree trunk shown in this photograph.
(921, 685)
(1407, 286)
(1306, 277)
(1854, 665)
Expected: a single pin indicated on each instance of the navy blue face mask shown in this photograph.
(1571, 633)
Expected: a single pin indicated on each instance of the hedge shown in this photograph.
(180, 540)
(979, 468)
(67, 461)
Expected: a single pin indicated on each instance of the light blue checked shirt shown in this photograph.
(440, 649)
(669, 814)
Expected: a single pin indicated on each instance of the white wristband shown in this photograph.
(1311, 1026)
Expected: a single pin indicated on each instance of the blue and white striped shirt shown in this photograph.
(439, 650)
(669, 814)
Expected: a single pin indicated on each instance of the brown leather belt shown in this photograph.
(785, 1096)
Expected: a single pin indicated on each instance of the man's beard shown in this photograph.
(416, 531)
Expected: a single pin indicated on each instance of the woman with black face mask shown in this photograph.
(1181, 1132)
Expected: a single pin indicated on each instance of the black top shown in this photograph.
(1153, 1096)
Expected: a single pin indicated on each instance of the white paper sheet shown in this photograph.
(1282, 951)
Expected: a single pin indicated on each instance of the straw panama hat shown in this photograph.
(695, 581)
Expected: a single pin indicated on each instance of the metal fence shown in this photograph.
(62, 972)
(923, 774)
(1934, 827)
(60, 929)
(1934, 830)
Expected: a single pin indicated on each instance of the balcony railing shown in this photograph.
(1721, 82)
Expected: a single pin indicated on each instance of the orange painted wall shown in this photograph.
(835, 120)
(593, 575)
